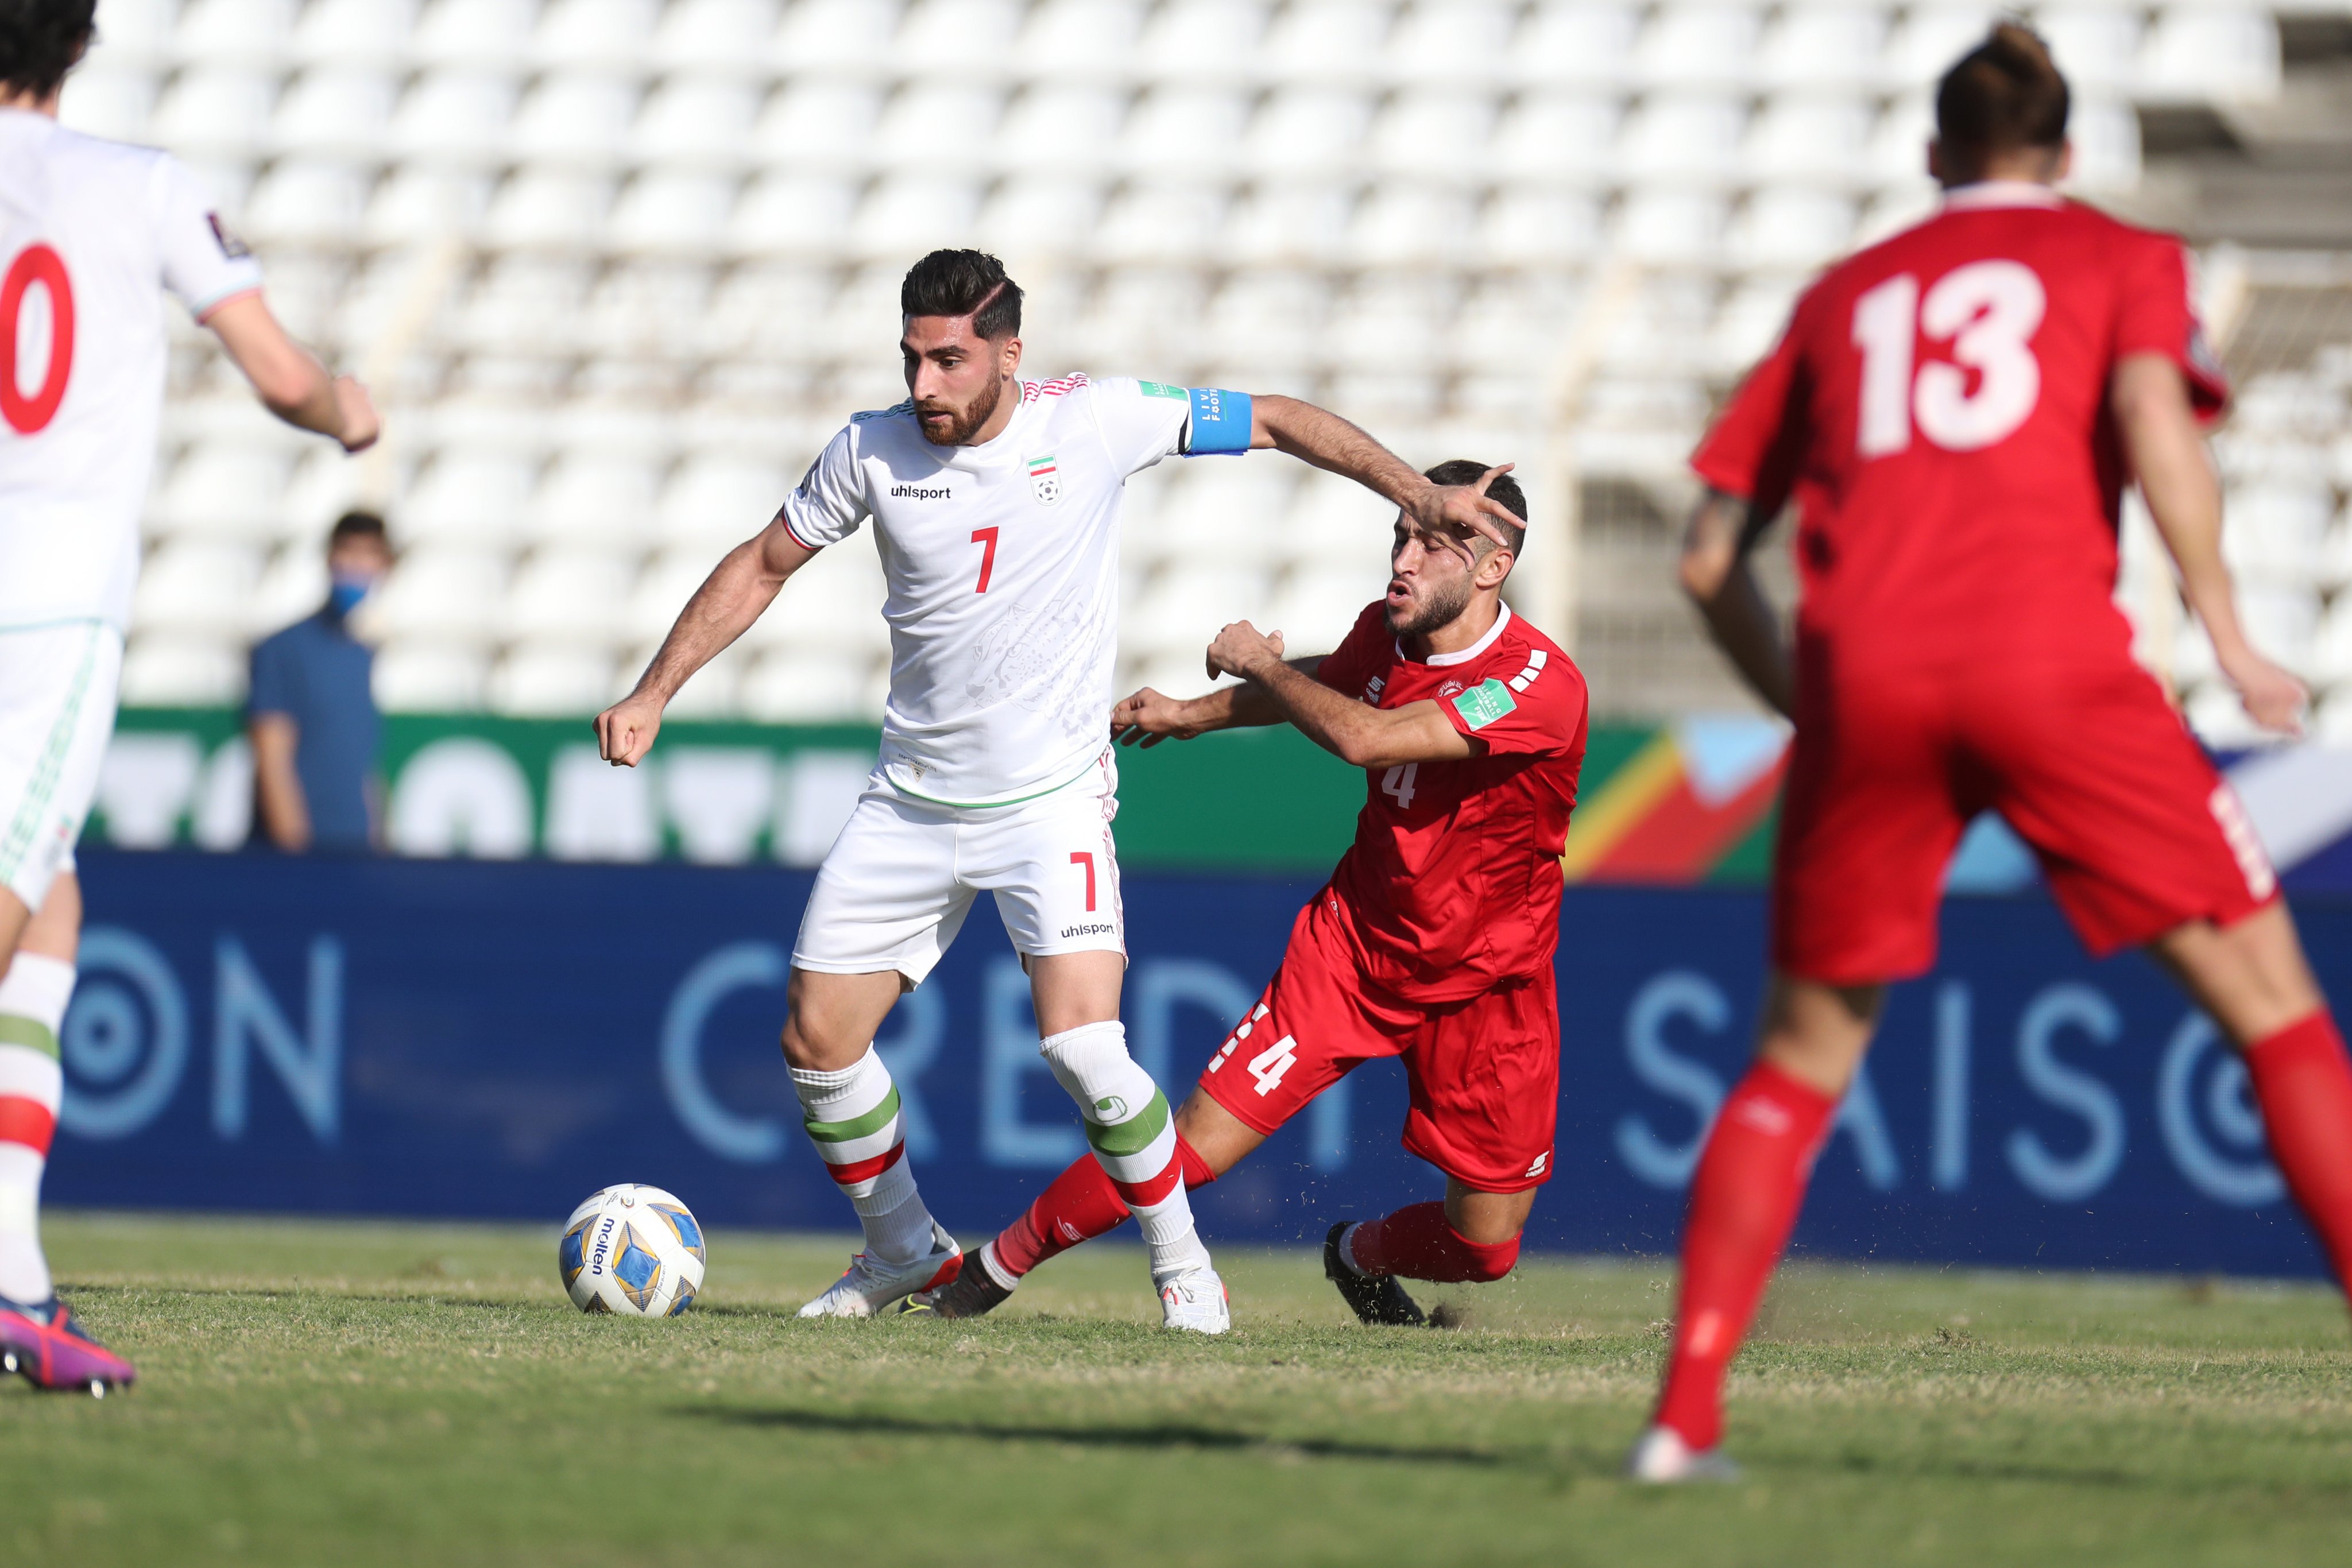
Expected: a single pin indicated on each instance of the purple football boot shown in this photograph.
(47, 1345)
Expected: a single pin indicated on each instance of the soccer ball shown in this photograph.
(632, 1249)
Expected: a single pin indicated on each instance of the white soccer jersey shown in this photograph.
(1003, 565)
(91, 231)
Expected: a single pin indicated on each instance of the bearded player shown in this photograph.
(1955, 413)
(995, 502)
(92, 233)
(1432, 944)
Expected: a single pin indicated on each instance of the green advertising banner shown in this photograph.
(1679, 805)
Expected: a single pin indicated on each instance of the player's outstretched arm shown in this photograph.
(2150, 400)
(1317, 436)
(291, 384)
(1718, 573)
(1356, 733)
(734, 596)
(1151, 717)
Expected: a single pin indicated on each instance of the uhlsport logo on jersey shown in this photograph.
(1044, 480)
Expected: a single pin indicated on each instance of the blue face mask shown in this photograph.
(344, 595)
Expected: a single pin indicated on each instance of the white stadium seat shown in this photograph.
(199, 586)
(1341, 39)
(1309, 130)
(595, 497)
(465, 496)
(1190, 128)
(548, 210)
(1555, 133)
(1792, 227)
(956, 37)
(789, 212)
(1440, 132)
(1698, 45)
(2096, 46)
(580, 118)
(673, 212)
(1533, 227)
(455, 116)
(233, 32)
(1466, 41)
(725, 37)
(227, 490)
(596, 35)
(105, 99)
(1081, 40)
(484, 33)
(1286, 222)
(350, 32)
(2200, 51)
(304, 203)
(700, 120)
(553, 681)
(1924, 44)
(1047, 214)
(1835, 46)
(454, 592)
(1063, 126)
(1683, 137)
(339, 111)
(216, 112)
(1670, 226)
(794, 687)
(1826, 138)
(1577, 43)
(171, 671)
(818, 122)
(430, 675)
(569, 596)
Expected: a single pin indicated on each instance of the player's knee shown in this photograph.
(1489, 1260)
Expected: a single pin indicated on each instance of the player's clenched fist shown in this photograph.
(626, 731)
(361, 423)
(1241, 648)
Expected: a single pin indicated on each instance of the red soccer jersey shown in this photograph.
(1938, 410)
(1452, 884)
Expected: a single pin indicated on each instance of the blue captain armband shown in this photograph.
(1221, 423)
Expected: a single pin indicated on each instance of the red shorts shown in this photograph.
(1483, 1072)
(2136, 830)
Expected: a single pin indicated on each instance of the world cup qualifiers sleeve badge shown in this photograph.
(1044, 480)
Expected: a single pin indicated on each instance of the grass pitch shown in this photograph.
(353, 1393)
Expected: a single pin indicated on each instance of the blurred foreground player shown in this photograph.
(1955, 413)
(1432, 944)
(995, 503)
(90, 230)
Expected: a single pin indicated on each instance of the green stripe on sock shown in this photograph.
(17, 1029)
(864, 1126)
(1133, 1136)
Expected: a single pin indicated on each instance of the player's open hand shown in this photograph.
(626, 731)
(1151, 717)
(1241, 648)
(2273, 698)
(361, 424)
(1441, 508)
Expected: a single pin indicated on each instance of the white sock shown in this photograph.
(851, 1118)
(33, 998)
(1133, 1136)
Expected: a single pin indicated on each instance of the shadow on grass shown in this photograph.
(1164, 1435)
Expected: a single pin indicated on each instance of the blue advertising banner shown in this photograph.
(454, 1037)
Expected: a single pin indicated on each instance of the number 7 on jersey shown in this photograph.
(986, 540)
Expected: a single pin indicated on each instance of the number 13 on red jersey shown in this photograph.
(1989, 312)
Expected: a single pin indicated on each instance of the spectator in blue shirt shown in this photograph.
(312, 715)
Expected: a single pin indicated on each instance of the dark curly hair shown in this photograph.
(40, 40)
(963, 283)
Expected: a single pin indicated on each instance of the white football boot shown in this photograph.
(1663, 1458)
(1194, 1300)
(870, 1284)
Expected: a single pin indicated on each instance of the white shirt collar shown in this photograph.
(2001, 193)
(1501, 618)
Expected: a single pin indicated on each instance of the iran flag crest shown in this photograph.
(1044, 480)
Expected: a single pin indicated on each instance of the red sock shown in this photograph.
(1418, 1243)
(2304, 1087)
(1743, 1204)
(1077, 1206)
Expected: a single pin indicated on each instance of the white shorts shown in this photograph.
(56, 712)
(895, 887)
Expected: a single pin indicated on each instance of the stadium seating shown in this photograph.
(617, 267)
